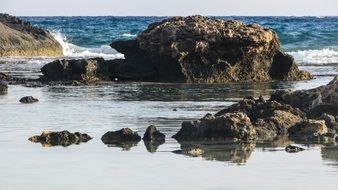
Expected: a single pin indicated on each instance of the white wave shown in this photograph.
(128, 35)
(323, 56)
(73, 51)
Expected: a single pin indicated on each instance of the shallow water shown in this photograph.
(98, 109)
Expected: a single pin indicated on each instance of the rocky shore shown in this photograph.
(192, 49)
(20, 38)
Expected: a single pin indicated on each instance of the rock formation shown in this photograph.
(293, 114)
(202, 50)
(120, 136)
(3, 88)
(20, 38)
(28, 100)
(62, 138)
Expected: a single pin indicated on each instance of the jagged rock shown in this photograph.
(20, 38)
(63, 138)
(120, 136)
(28, 100)
(309, 130)
(293, 149)
(315, 102)
(270, 118)
(233, 126)
(202, 50)
(3, 88)
(85, 70)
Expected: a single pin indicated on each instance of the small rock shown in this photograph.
(28, 100)
(152, 134)
(123, 135)
(63, 138)
(3, 88)
(174, 109)
(293, 149)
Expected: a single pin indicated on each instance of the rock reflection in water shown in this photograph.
(152, 146)
(233, 152)
(126, 146)
(330, 153)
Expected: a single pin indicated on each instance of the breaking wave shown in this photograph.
(317, 57)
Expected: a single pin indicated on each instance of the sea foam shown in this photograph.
(315, 57)
(73, 51)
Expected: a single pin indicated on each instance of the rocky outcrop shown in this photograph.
(20, 38)
(286, 113)
(220, 127)
(60, 138)
(85, 70)
(120, 136)
(315, 102)
(28, 100)
(152, 134)
(197, 49)
(3, 88)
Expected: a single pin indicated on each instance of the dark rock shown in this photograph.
(202, 50)
(28, 100)
(3, 88)
(174, 109)
(315, 102)
(293, 149)
(233, 126)
(120, 136)
(152, 134)
(284, 67)
(20, 38)
(62, 138)
(85, 70)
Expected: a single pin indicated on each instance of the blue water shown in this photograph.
(295, 33)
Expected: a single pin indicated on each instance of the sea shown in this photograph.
(96, 109)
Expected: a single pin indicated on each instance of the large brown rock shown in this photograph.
(20, 38)
(229, 126)
(202, 50)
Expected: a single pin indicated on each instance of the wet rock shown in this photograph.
(308, 130)
(85, 70)
(60, 138)
(314, 102)
(120, 136)
(20, 38)
(270, 118)
(152, 134)
(293, 149)
(3, 88)
(330, 122)
(197, 49)
(234, 126)
(28, 100)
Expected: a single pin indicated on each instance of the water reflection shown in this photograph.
(126, 146)
(152, 146)
(233, 152)
(330, 153)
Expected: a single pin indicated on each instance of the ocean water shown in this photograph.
(313, 41)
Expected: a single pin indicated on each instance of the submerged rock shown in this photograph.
(293, 149)
(315, 102)
(197, 49)
(62, 138)
(120, 136)
(3, 88)
(20, 38)
(234, 126)
(28, 100)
